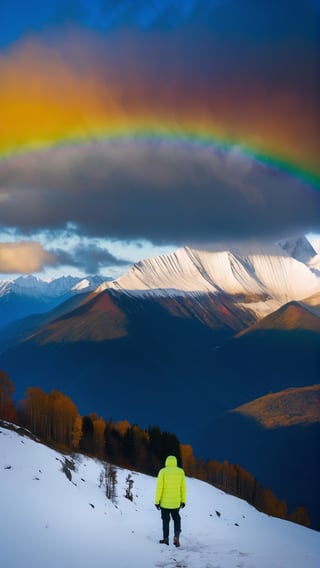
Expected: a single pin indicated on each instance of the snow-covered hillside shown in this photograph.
(265, 282)
(49, 520)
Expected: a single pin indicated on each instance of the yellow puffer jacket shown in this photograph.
(171, 488)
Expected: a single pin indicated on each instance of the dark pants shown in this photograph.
(165, 515)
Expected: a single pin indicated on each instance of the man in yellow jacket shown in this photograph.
(171, 494)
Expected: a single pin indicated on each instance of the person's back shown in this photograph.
(170, 496)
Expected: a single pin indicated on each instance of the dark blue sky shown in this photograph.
(251, 20)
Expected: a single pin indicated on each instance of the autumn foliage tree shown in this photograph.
(99, 426)
(50, 416)
(62, 413)
(34, 411)
(188, 459)
(76, 432)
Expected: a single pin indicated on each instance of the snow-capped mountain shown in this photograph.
(28, 294)
(259, 283)
(32, 286)
(306, 250)
(299, 248)
(48, 519)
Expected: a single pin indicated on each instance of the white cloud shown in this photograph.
(23, 257)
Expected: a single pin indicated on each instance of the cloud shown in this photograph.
(163, 193)
(90, 257)
(23, 257)
(239, 71)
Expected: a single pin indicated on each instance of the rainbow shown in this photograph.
(48, 102)
(189, 138)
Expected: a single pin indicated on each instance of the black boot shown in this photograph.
(164, 541)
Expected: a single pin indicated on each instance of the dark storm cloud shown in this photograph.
(89, 257)
(158, 192)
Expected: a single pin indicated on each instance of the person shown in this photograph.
(171, 494)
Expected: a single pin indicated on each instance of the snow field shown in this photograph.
(48, 520)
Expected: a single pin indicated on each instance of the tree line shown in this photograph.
(55, 419)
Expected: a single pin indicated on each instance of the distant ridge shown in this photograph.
(27, 295)
(286, 408)
(291, 316)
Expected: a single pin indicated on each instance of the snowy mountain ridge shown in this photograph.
(27, 295)
(264, 282)
(72, 523)
(32, 286)
(258, 283)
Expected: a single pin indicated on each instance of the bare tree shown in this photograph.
(129, 482)
(111, 482)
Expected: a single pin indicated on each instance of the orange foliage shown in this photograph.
(123, 426)
(99, 427)
(188, 459)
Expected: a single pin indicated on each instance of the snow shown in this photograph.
(88, 284)
(199, 271)
(5, 286)
(48, 520)
(165, 272)
(31, 286)
(286, 279)
(314, 264)
(266, 282)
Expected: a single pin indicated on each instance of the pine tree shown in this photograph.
(87, 439)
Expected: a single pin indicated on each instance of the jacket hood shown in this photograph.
(171, 461)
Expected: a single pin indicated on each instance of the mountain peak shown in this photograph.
(299, 248)
(264, 281)
(292, 315)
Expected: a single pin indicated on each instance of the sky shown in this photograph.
(74, 524)
(130, 128)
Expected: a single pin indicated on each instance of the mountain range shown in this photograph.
(26, 295)
(184, 340)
